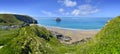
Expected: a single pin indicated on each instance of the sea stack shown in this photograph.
(58, 19)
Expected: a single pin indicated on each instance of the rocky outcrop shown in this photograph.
(26, 19)
(58, 19)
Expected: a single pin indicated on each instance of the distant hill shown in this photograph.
(16, 19)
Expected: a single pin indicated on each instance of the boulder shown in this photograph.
(67, 39)
(59, 36)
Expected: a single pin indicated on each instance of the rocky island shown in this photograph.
(58, 19)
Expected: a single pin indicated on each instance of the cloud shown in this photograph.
(85, 9)
(89, 7)
(62, 11)
(68, 3)
(65, 13)
(47, 13)
(4, 12)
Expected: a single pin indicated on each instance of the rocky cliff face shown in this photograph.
(26, 19)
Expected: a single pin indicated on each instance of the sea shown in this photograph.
(83, 23)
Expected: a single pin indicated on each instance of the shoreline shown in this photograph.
(75, 34)
(67, 28)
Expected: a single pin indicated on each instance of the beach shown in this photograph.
(79, 29)
(76, 35)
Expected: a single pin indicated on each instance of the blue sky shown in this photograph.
(62, 8)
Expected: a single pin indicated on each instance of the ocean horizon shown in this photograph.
(74, 23)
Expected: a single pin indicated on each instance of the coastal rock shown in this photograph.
(61, 37)
(67, 39)
(82, 40)
(57, 35)
(26, 19)
(58, 19)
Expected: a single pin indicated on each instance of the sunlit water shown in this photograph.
(74, 22)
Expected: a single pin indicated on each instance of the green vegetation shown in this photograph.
(9, 19)
(38, 40)
(30, 39)
(7, 35)
(107, 41)
(15, 19)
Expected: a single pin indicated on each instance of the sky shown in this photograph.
(62, 8)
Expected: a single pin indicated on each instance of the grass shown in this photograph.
(29, 40)
(7, 35)
(5, 19)
(105, 42)
(37, 40)
(16, 19)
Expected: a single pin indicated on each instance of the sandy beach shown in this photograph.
(76, 35)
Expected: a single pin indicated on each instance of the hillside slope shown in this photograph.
(9, 19)
(107, 41)
(30, 40)
(16, 19)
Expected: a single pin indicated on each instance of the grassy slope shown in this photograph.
(107, 41)
(9, 19)
(32, 39)
(6, 36)
(16, 19)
